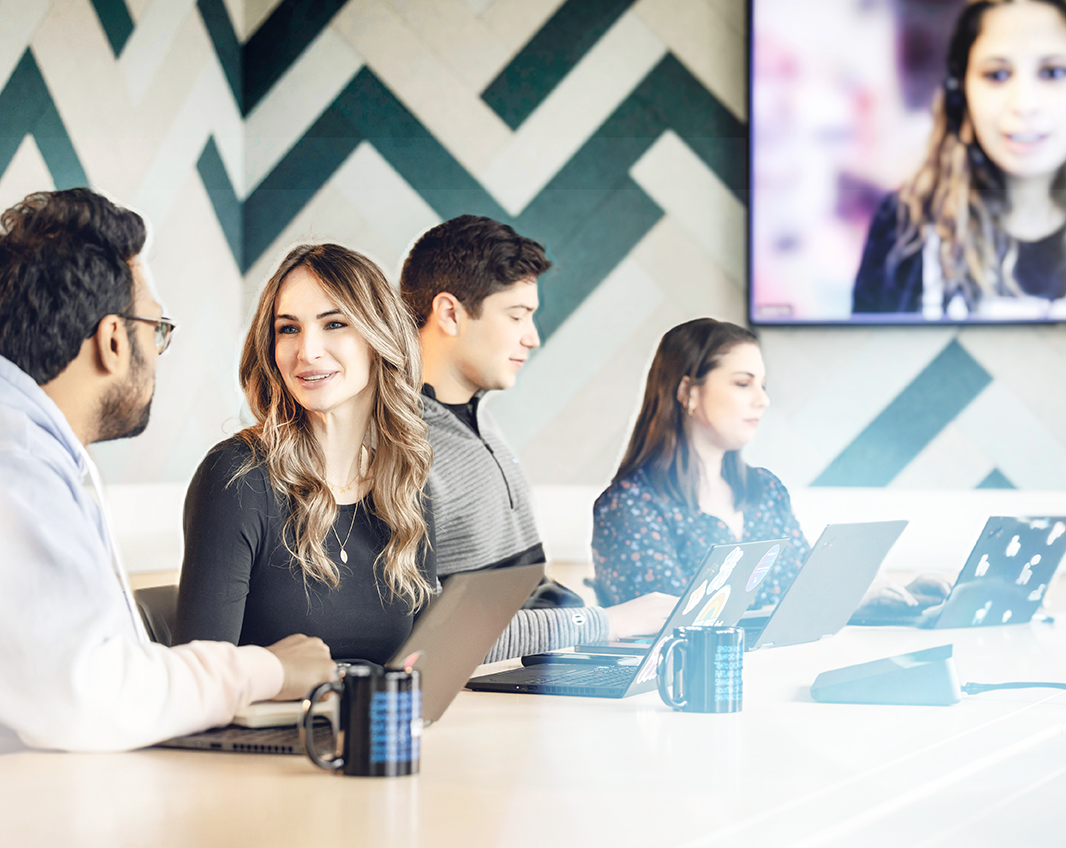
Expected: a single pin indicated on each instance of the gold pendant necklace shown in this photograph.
(344, 553)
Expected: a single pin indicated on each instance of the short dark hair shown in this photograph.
(470, 257)
(64, 265)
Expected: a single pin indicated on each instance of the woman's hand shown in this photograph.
(923, 591)
(641, 616)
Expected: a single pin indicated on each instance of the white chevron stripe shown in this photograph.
(679, 181)
(27, 173)
(1014, 439)
(397, 211)
(328, 216)
(150, 42)
(578, 349)
(858, 378)
(708, 38)
(1023, 360)
(460, 39)
(19, 20)
(687, 275)
(284, 115)
(455, 115)
(210, 110)
(950, 461)
(579, 104)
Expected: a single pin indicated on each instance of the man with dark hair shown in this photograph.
(472, 285)
(80, 332)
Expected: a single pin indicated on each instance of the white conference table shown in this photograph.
(521, 770)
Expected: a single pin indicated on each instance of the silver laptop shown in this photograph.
(451, 638)
(828, 588)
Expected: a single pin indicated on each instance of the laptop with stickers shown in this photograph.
(1003, 581)
(720, 591)
(449, 640)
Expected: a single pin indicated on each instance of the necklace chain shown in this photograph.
(342, 490)
(344, 553)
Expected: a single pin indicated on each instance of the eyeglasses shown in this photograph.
(164, 327)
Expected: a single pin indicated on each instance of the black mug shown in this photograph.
(380, 722)
(707, 664)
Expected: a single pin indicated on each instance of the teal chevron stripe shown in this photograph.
(26, 108)
(228, 49)
(590, 215)
(116, 21)
(892, 440)
(291, 27)
(676, 99)
(253, 68)
(413, 151)
(996, 479)
(594, 249)
(223, 197)
(296, 178)
(549, 56)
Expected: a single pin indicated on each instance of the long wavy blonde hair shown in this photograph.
(396, 442)
(958, 193)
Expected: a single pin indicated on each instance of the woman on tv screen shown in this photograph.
(979, 231)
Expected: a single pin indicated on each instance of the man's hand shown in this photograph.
(641, 616)
(306, 662)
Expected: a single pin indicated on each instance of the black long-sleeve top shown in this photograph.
(879, 287)
(240, 584)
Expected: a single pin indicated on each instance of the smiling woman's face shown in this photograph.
(323, 359)
(1016, 88)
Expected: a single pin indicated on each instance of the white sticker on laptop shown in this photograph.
(696, 597)
(726, 569)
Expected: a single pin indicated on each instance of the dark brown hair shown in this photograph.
(64, 265)
(658, 444)
(470, 257)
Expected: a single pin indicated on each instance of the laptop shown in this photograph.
(451, 639)
(827, 589)
(1003, 581)
(718, 593)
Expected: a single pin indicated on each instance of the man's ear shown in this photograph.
(111, 344)
(447, 313)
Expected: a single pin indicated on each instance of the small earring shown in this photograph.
(691, 409)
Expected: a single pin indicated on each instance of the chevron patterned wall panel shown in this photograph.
(614, 131)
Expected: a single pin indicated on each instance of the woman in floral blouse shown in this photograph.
(682, 485)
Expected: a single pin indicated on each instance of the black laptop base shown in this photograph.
(586, 681)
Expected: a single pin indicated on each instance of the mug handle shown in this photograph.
(306, 725)
(673, 644)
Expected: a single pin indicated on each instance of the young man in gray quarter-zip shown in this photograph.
(471, 283)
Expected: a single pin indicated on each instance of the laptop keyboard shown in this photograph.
(246, 740)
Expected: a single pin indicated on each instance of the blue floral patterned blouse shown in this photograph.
(643, 542)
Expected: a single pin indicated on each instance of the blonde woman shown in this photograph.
(979, 232)
(313, 519)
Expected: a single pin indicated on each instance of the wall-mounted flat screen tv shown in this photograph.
(907, 162)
